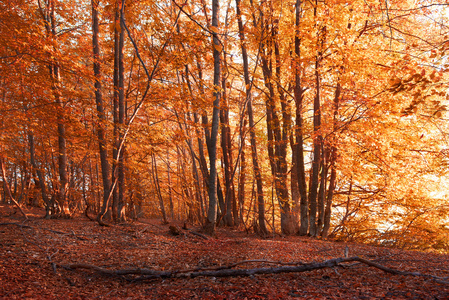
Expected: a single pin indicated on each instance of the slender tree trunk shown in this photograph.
(277, 133)
(121, 216)
(207, 134)
(50, 24)
(40, 176)
(333, 160)
(314, 181)
(212, 210)
(317, 137)
(289, 220)
(257, 174)
(158, 188)
(105, 168)
(227, 158)
(8, 189)
(170, 197)
(298, 92)
(202, 159)
(294, 183)
(242, 176)
(323, 185)
(116, 141)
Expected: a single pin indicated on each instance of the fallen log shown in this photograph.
(229, 272)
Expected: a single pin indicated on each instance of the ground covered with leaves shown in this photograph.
(34, 256)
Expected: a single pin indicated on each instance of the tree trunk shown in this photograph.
(323, 185)
(62, 148)
(202, 159)
(289, 219)
(158, 188)
(242, 176)
(207, 134)
(105, 167)
(170, 197)
(212, 210)
(298, 91)
(314, 181)
(116, 141)
(227, 158)
(317, 137)
(257, 174)
(8, 189)
(333, 160)
(277, 133)
(121, 216)
(47, 202)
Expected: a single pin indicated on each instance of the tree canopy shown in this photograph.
(320, 117)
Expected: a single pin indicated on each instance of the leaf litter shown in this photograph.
(34, 253)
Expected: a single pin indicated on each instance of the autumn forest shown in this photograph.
(324, 118)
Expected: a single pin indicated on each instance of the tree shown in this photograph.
(218, 47)
(105, 167)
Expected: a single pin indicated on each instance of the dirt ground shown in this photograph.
(33, 255)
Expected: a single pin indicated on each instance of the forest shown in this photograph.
(320, 118)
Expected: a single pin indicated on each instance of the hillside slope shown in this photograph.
(33, 254)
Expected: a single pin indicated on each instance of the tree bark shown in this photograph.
(317, 138)
(257, 174)
(116, 95)
(50, 25)
(333, 160)
(314, 181)
(158, 188)
(170, 197)
(289, 219)
(105, 167)
(212, 210)
(227, 158)
(227, 271)
(298, 92)
(121, 216)
(47, 202)
(8, 188)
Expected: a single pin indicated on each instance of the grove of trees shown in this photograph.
(322, 117)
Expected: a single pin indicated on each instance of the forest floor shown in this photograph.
(33, 253)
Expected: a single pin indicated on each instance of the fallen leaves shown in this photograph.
(26, 270)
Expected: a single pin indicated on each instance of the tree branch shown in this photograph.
(228, 271)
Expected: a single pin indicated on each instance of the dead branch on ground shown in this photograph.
(230, 272)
